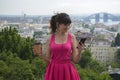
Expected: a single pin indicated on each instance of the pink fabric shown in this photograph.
(60, 66)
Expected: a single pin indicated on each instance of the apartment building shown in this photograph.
(104, 54)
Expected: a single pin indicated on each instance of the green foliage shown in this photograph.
(4, 69)
(90, 69)
(38, 33)
(16, 57)
(18, 63)
(26, 49)
(86, 26)
(89, 74)
(103, 76)
(11, 41)
(21, 70)
(87, 62)
(112, 44)
(13, 68)
(85, 59)
(1, 78)
(117, 40)
(114, 64)
(38, 67)
(96, 66)
(117, 57)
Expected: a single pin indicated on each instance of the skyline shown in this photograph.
(46, 7)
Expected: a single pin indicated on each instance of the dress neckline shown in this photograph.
(61, 43)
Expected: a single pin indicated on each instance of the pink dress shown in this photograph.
(60, 66)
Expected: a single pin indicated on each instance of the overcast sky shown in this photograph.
(46, 7)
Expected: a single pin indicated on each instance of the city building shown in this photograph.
(104, 54)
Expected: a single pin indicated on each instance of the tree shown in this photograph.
(13, 68)
(11, 41)
(85, 59)
(38, 67)
(26, 52)
(96, 66)
(4, 69)
(117, 56)
(117, 40)
(17, 61)
(89, 74)
(87, 62)
(86, 26)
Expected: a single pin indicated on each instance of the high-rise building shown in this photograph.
(105, 17)
(97, 18)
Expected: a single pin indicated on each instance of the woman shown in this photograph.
(62, 48)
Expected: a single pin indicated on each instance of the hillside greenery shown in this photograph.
(17, 61)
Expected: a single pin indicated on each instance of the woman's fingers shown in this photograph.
(81, 46)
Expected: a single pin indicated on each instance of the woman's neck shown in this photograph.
(61, 33)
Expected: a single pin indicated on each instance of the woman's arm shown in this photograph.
(46, 56)
(76, 49)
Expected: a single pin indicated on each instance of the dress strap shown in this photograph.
(52, 38)
(70, 38)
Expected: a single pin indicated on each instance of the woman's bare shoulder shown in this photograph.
(72, 35)
(49, 37)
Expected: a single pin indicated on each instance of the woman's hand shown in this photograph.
(80, 46)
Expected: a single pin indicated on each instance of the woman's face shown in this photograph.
(63, 27)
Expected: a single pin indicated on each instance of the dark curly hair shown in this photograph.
(60, 18)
